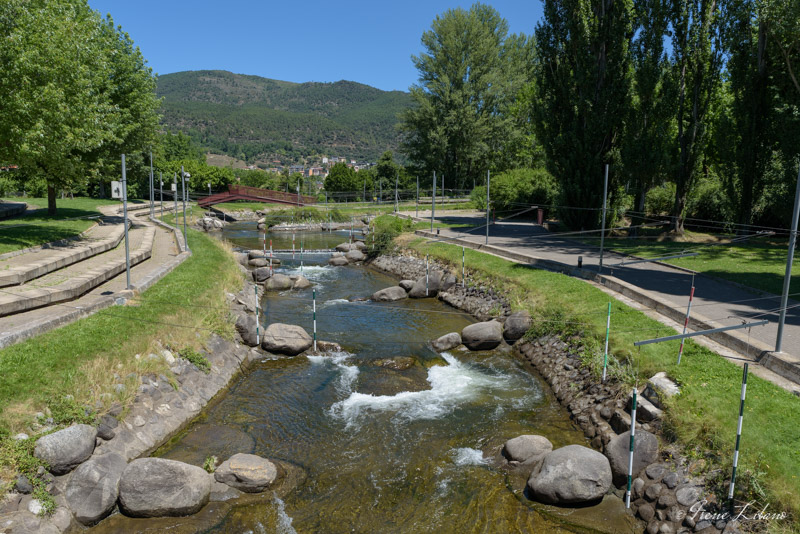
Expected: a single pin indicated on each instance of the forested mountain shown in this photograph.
(258, 119)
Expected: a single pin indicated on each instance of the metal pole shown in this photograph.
(463, 276)
(152, 188)
(301, 254)
(258, 333)
(209, 188)
(488, 184)
(605, 352)
(175, 197)
(426, 275)
(314, 304)
(738, 432)
(603, 224)
(292, 245)
(396, 178)
(686, 320)
(365, 189)
(417, 201)
(444, 197)
(433, 200)
(270, 258)
(630, 457)
(183, 189)
(788, 277)
(161, 193)
(125, 223)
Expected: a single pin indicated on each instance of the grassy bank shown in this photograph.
(703, 417)
(86, 361)
(36, 227)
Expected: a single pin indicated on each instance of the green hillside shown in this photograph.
(257, 119)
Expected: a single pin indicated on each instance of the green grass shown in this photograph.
(36, 227)
(703, 417)
(759, 263)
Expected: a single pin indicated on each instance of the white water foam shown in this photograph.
(284, 525)
(467, 456)
(451, 386)
(349, 372)
(333, 302)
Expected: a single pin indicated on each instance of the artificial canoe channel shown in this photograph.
(372, 448)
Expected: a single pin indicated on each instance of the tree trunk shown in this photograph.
(51, 200)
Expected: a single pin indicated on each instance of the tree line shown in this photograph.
(694, 104)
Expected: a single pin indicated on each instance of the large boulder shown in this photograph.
(360, 245)
(288, 339)
(446, 342)
(390, 294)
(246, 326)
(94, 486)
(278, 282)
(433, 282)
(406, 284)
(355, 255)
(526, 447)
(660, 387)
(338, 261)
(645, 452)
(262, 274)
(247, 472)
(516, 325)
(66, 449)
(571, 475)
(345, 247)
(253, 254)
(258, 262)
(301, 282)
(155, 487)
(482, 336)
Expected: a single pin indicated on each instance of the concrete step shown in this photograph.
(75, 280)
(31, 265)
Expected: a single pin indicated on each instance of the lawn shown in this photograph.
(759, 263)
(703, 417)
(36, 227)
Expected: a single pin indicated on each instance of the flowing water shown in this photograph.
(370, 448)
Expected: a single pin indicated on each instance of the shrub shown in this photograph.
(516, 189)
(661, 199)
(709, 201)
(194, 357)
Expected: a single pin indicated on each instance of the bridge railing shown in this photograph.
(268, 194)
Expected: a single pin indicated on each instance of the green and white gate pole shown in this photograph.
(301, 254)
(463, 277)
(738, 433)
(426, 275)
(605, 352)
(258, 333)
(686, 320)
(630, 457)
(314, 304)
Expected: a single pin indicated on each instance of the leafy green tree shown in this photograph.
(342, 178)
(201, 174)
(178, 146)
(459, 121)
(581, 98)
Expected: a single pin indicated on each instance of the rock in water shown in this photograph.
(344, 247)
(247, 472)
(246, 326)
(525, 447)
(258, 262)
(516, 325)
(286, 339)
(355, 255)
(645, 452)
(446, 342)
(338, 261)
(301, 283)
(433, 284)
(390, 294)
(262, 274)
(66, 449)
(406, 284)
(93, 487)
(570, 475)
(155, 487)
(279, 282)
(482, 336)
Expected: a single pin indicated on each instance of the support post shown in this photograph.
(292, 245)
(738, 433)
(630, 457)
(270, 258)
(463, 275)
(175, 197)
(396, 178)
(152, 188)
(605, 352)
(787, 279)
(183, 189)
(161, 193)
(301, 254)
(426, 275)
(125, 224)
(488, 187)
(686, 321)
(603, 223)
(433, 200)
(417, 201)
(314, 308)
(258, 321)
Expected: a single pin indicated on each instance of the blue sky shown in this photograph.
(365, 41)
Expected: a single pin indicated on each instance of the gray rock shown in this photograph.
(345, 247)
(301, 283)
(155, 487)
(433, 284)
(516, 325)
(671, 480)
(620, 422)
(406, 284)
(23, 485)
(258, 262)
(645, 452)
(355, 255)
(646, 512)
(278, 282)
(360, 245)
(482, 336)
(658, 387)
(286, 339)
(390, 294)
(105, 432)
(254, 254)
(645, 410)
(262, 274)
(687, 495)
(446, 342)
(569, 475)
(66, 449)
(653, 491)
(246, 326)
(94, 486)
(247, 472)
(338, 261)
(525, 447)
(222, 492)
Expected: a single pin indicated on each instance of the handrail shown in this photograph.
(243, 192)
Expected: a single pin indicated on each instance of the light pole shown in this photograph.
(788, 277)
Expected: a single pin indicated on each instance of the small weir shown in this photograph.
(384, 436)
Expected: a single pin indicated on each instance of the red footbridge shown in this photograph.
(255, 194)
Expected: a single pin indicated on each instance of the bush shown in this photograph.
(386, 228)
(709, 201)
(660, 200)
(517, 189)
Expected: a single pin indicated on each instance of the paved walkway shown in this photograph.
(719, 301)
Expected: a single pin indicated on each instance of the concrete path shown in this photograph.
(718, 302)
